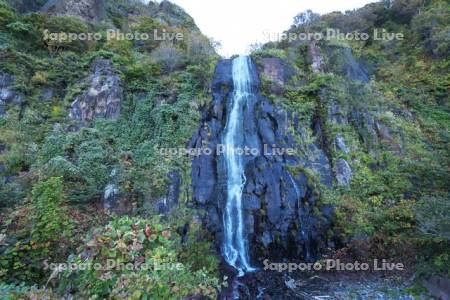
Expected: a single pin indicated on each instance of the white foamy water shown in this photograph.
(235, 246)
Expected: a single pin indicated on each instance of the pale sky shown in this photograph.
(240, 23)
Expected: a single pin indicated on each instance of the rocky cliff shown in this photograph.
(282, 213)
(88, 10)
(103, 96)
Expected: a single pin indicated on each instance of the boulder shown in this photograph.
(343, 172)
(88, 10)
(277, 72)
(340, 144)
(103, 96)
(47, 94)
(383, 131)
(7, 94)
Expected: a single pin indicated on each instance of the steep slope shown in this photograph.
(93, 128)
(279, 202)
(82, 120)
(369, 121)
(379, 111)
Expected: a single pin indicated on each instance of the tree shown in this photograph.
(305, 18)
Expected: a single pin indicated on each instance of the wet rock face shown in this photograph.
(88, 10)
(103, 96)
(7, 94)
(278, 204)
(110, 197)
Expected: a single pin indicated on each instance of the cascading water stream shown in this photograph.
(235, 248)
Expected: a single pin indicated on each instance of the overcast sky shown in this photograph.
(239, 23)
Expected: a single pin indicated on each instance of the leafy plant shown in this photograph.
(46, 239)
(142, 256)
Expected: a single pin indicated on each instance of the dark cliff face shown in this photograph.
(282, 215)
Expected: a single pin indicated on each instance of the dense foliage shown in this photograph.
(397, 201)
(131, 259)
(53, 173)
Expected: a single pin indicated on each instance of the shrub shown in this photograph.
(50, 223)
(150, 250)
(197, 252)
(19, 27)
(6, 14)
(45, 26)
(432, 27)
(147, 25)
(199, 49)
(168, 56)
(21, 291)
(42, 236)
(40, 78)
(82, 159)
(270, 52)
(121, 47)
(432, 214)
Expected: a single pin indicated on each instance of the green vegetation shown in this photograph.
(53, 171)
(53, 174)
(396, 126)
(144, 260)
(49, 231)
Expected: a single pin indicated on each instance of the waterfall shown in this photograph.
(235, 244)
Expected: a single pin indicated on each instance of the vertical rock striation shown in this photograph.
(103, 96)
(281, 213)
